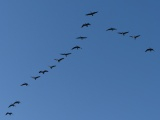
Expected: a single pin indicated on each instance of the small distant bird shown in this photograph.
(91, 13)
(16, 102)
(44, 71)
(36, 77)
(24, 84)
(123, 33)
(66, 54)
(149, 49)
(59, 60)
(111, 29)
(9, 113)
(11, 105)
(76, 47)
(52, 66)
(81, 38)
(85, 25)
(135, 36)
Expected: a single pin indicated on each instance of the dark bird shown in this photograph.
(66, 54)
(123, 33)
(36, 77)
(9, 113)
(81, 38)
(52, 66)
(59, 60)
(11, 105)
(76, 47)
(111, 29)
(16, 102)
(149, 49)
(44, 71)
(24, 84)
(85, 25)
(135, 36)
(91, 13)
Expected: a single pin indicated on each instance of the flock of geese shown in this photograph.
(66, 54)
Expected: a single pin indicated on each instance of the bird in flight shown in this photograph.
(81, 38)
(85, 25)
(17, 102)
(59, 60)
(91, 13)
(11, 105)
(66, 54)
(24, 84)
(149, 49)
(52, 66)
(9, 113)
(123, 33)
(76, 47)
(135, 36)
(36, 77)
(111, 29)
(44, 71)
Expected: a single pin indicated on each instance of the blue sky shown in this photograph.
(110, 78)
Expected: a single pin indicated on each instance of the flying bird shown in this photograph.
(52, 66)
(123, 33)
(91, 13)
(111, 29)
(85, 25)
(44, 71)
(76, 47)
(24, 84)
(149, 49)
(36, 77)
(11, 105)
(66, 54)
(9, 113)
(81, 38)
(59, 60)
(135, 36)
(16, 102)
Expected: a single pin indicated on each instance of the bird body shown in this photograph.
(52, 66)
(44, 71)
(81, 37)
(91, 13)
(85, 25)
(149, 49)
(36, 77)
(76, 47)
(24, 84)
(111, 29)
(66, 54)
(123, 33)
(16, 102)
(9, 113)
(11, 105)
(135, 36)
(59, 60)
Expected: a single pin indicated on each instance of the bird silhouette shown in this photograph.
(11, 105)
(76, 47)
(66, 54)
(135, 36)
(111, 29)
(24, 84)
(36, 77)
(59, 60)
(91, 13)
(85, 25)
(9, 113)
(81, 38)
(44, 71)
(16, 102)
(52, 66)
(123, 33)
(149, 50)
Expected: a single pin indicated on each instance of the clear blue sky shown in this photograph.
(111, 78)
